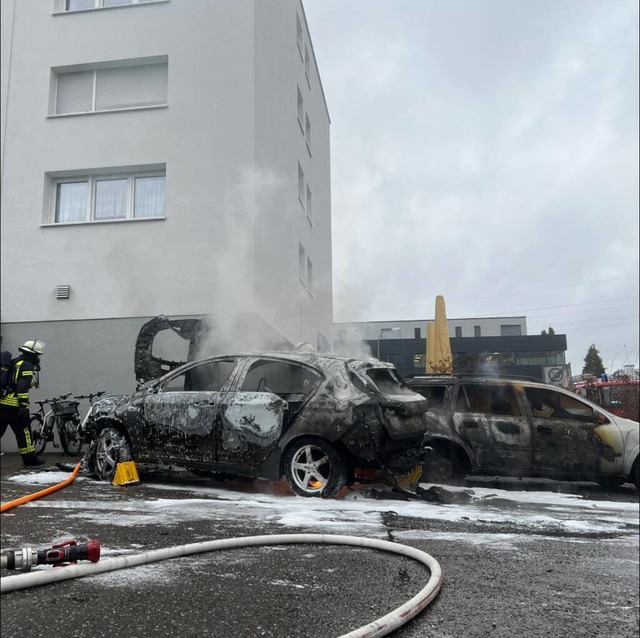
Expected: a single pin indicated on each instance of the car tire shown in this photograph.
(314, 467)
(110, 447)
(444, 466)
(609, 482)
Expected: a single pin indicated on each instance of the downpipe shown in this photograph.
(379, 627)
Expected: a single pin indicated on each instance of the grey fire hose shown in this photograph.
(380, 627)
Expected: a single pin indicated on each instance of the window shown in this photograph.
(477, 332)
(110, 88)
(208, 377)
(307, 132)
(309, 204)
(434, 394)
(300, 109)
(416, 333)
(301, 185)
(302, 262)
(510, 330)
(299, 35)
(309, 275)
(307, 65)
(105, 197)
(81, 5)
(290, 381)
(487, 399)
(458, 331)
(549, 404)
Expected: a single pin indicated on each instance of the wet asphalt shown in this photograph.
(582, 583)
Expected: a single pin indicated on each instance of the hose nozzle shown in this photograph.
(59, 555)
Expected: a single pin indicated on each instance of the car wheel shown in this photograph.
(314, 467)
(443, 467)
(110, 447)
(610, 482)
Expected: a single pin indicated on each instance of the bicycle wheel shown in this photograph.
(37, 433)
(70, 440)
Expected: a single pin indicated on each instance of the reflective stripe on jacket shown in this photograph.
(23, 378)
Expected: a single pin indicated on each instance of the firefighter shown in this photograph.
(14, 404)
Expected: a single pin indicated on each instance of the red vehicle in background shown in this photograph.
(620, 396)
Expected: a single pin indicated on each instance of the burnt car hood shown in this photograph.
(148, 367)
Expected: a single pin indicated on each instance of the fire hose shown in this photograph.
(379, 627)
(59, 555)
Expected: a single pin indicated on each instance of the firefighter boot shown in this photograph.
(31, 459)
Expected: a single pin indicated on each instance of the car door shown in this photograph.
(489, 418)
(253, 415)
(180, 418)
(570, 435)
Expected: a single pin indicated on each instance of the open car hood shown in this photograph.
(148, 367)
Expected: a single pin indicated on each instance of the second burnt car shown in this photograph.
(311, 418)
(519, 427)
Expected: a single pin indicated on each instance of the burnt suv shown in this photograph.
(486, 425)
(312, 418)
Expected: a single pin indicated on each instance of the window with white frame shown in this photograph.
(307, 64)
(302, 263)
(301, 184)
(107, 197)
(110, 87)
(309, 203)
(300, 109)
(309, 275)
(307, 131)
(82, 5)
(299, 35)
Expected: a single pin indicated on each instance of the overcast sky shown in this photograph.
(487, 151)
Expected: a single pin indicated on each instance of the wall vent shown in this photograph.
(62, 292)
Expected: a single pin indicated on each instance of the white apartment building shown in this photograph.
(160, 157)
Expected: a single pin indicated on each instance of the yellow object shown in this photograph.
(126, 474)
(439, 357)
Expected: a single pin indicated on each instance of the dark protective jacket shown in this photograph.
(24, 376)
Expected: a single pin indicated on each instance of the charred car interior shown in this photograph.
(314, 419)
(523, 428)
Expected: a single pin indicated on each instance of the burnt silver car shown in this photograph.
(311, 418)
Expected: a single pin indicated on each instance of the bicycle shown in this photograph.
(62, 416)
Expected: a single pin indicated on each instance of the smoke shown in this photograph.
(351, 343)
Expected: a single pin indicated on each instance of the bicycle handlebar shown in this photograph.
(90, 396)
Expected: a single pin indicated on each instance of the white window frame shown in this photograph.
(60, 6)
(307, 65)
(301, 185)
(91, 179)
(309, 276)
(300, 109)
(135, 62)
(299, 36)
(309, 206)
(302, 264)
(307, 132)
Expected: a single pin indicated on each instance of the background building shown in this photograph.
(160, 157)
(490, 345)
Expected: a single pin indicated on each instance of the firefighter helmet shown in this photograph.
(33, 347)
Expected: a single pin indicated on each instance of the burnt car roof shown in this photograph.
(429, 379)
(149, 367)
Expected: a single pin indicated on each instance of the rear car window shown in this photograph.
(386, 380)
(485, 398)
(434, 394)
(280, 377)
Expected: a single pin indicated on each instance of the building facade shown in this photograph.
(489, 345)
(160, 157)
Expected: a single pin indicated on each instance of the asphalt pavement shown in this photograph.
(513, 566)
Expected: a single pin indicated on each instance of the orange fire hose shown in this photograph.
(49, 490)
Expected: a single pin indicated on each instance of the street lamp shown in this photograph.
(380, 336)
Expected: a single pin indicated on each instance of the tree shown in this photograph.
(593, 362)
(551, 331)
